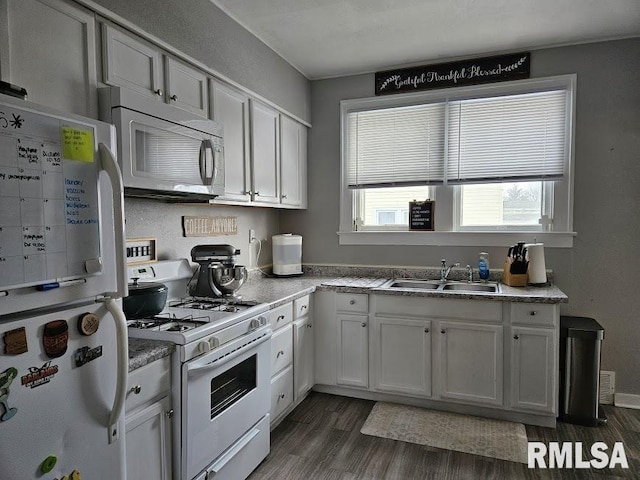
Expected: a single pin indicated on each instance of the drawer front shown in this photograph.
(301, 306)
(352, 302)
(280, 316)
(147, 383)
(542, 314)
(480, 310)
(281, 349)
(281, 392)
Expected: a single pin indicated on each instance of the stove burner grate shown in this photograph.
(215, 304)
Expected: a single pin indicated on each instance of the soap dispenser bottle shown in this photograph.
(483, 266)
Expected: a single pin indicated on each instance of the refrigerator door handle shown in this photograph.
(110, 166)
(122, 346)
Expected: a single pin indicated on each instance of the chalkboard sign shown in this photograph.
(421, 215)
(454, 74)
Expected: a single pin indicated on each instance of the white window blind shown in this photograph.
(508, 138)
(400, 146)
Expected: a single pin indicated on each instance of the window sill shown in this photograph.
(457, 239)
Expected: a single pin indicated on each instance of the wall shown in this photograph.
(204, 32)
(163, 221)
(599, 274)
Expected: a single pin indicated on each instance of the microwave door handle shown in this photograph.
(218, 162)
(206, 162)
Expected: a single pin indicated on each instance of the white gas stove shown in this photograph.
(220, 375)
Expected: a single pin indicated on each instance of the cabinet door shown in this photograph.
(353, 351)
(131, 63)
(533, 369)
(293, 160)
(302, 357)
(471, 362)
(186, 87)
(48, 47)
(148, 442)
(325, 332)
(265, 147)
(402, 355)
(231, 109)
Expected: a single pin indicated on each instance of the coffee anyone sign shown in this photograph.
(454, 74)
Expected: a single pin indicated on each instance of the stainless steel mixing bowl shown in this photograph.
(227, 279)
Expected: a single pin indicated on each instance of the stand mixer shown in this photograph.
(217, 275)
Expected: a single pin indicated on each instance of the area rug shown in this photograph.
(451, 431)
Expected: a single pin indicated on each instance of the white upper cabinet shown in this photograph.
(265, 150)
(293, 162)
(131, 63)
(186, 87)
(48, 47)
(134, 64)
(230, 108)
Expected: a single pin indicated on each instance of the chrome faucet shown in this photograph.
(444, 270)
(469, 273)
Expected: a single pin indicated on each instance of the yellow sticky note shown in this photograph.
(77, 144)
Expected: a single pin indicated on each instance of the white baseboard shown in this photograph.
(627, 400)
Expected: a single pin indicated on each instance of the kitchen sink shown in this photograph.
(452, 286)
(419, 284)
(472, 287)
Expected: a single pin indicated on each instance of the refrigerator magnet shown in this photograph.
(6, 378)
(55, 338)
(84, 355)
(15, 341)
(38, 376)
(88, 323)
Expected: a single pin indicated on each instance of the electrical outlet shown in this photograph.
(252, 234)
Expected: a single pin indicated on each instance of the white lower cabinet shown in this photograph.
(533, 367)
(303, 357)
(402, 352)
(148, 415)
(471, 361)
(281, 392)
(353, 350)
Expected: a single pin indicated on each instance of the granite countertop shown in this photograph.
(276, 291)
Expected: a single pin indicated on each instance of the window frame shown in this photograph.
(447, 197)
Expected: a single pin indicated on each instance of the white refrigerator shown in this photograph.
(63, 339)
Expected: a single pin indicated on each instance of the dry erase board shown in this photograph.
(421, 215)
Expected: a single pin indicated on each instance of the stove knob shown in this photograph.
(204, 347)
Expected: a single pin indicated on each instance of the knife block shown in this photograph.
(513, 279)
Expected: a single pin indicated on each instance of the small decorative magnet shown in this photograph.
(48, 464)
(56, 335)
(88, 323)
(38, 376)
(6, 378)
(85, 355)
(15, 341)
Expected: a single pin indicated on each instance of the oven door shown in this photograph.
(225, 393)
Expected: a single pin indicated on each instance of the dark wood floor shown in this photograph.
(321, 439)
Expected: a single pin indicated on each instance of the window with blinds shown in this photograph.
(495, 154)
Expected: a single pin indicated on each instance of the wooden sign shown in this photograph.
(454, 74)
(209, 226)
(421, 215)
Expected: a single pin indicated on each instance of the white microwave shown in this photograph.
(163, 151)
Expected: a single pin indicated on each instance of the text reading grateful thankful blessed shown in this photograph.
(453, 74)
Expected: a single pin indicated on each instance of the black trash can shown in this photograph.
(580, 345)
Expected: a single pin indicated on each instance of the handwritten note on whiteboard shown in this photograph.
(77, 144)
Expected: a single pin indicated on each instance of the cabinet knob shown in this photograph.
(533, 313)
(280, 353)
(309, 325)
(283, 196)
(247, 192)
(352, 302)
(158, 92)
(169, 414)
(281, 396)
(516, 337)
(136, 390)
(443, 331)
(257, 194)
(174, 98)
(364, 324)
(280, 317)
(303, 307)
(426, 330)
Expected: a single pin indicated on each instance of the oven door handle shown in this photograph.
(205, 365)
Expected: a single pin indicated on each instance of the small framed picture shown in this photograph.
(421, 215)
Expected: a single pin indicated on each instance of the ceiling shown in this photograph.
(328, 38)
